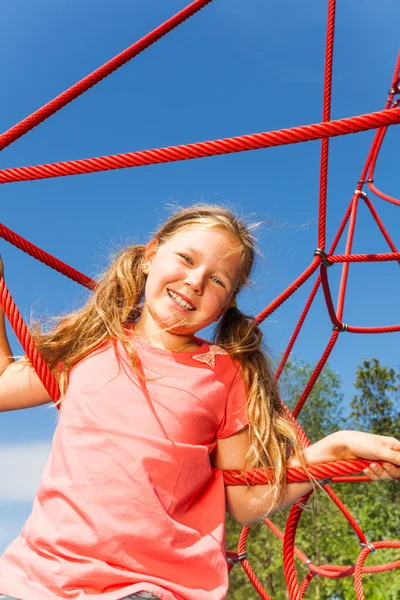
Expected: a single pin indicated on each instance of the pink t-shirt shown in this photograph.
(128, 500)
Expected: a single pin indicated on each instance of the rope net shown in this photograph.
(341, 471)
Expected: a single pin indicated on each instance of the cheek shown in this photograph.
(161, 274)
(215, 302)
(152, 285)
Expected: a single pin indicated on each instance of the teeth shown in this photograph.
(180, 300)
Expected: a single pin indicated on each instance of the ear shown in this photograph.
(149, 254)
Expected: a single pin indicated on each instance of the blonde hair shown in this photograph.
(117, 302)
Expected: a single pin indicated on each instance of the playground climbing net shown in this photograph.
(344, 471)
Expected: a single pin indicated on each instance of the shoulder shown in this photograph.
(100, 359)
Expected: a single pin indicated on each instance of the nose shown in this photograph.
(195, 280)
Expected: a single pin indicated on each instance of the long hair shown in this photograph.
(117, 301)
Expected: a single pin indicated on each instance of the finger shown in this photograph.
(385, 474)
(379, 471)
(380, 474)
(394, 457)
(371, 474)
(391, 469)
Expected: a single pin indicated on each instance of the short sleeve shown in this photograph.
(235, 415)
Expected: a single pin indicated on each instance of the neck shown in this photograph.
(161, 338)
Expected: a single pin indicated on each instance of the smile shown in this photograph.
(180, 301)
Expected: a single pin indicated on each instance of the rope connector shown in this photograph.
(361, 193)
(368, 545)
(308, 564)
(342, 327)
(325, 481)
(240, 557)
(395, 90)
(324, 257)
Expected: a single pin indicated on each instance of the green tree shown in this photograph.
(320, 416)
(375, 407)
(324, 535)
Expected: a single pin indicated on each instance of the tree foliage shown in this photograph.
(324, 535)
(375, 407)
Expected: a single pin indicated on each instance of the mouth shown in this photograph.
(180, 301)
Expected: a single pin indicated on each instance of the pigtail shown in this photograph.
(273, 434)
(114, 304)
(120, 291)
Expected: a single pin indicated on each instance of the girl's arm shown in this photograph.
(20, 386)
(249, 505)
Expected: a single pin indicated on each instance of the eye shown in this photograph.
(217, 281)
(186, 258)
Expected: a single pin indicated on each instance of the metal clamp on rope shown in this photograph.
(343, 327)
(324, 257)
(368, 545)
(325, 481)
(308, 564)
(242, 556)
(395, 90)
(361, 193)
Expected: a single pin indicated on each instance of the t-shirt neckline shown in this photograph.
(203, 346)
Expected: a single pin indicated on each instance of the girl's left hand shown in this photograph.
(357, 444)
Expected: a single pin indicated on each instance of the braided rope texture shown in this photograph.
(341, 471)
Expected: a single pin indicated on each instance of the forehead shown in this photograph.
(210, 240)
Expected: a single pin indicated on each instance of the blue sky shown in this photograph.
(234, 68)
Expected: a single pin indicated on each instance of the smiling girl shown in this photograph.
(132, 502)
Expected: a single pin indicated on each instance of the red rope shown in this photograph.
(296, 474)
(18, 130)
(380, 224)
(45, 257)
(338, 324)
(288, 547)
(310, 299)
(342, 471)
(347, 258)
(243, 143)
(361, 559)
(21, 331)
(326, 116)
(395, 88)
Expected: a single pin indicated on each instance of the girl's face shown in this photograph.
(191, 281)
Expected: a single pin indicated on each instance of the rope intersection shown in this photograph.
(342, 471)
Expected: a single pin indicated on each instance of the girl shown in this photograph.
(132, 502)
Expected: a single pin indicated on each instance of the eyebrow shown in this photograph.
(224, 271)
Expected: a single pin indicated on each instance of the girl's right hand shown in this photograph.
(374, 448)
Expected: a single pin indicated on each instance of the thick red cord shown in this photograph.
(44, 257)
(394, 89)
(18, 130)
(343, 471)
(21, 331)
(326, 116)
(243, 143)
